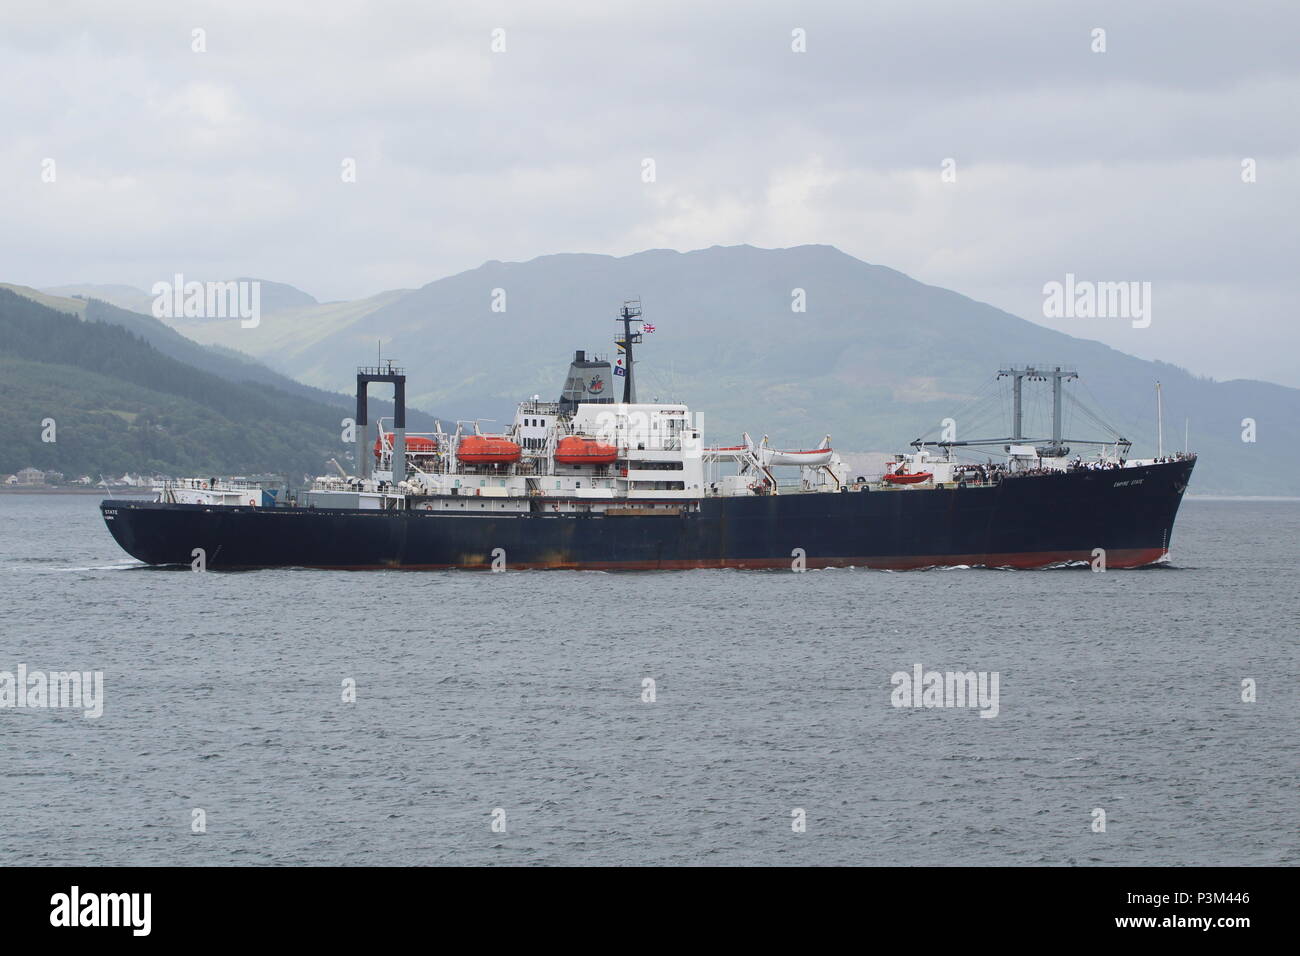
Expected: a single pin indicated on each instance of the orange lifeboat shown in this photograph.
(906, 479)
(576, 450)
(487, 450)
(415, 444)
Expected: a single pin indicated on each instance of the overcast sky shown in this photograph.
(1122, 165)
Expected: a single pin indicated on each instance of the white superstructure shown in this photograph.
(645, 455)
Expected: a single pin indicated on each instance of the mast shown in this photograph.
(1018, 375)
(1054, 447)
(1160, 423)
(1056, 407)
(1017, 415)
(630, 313)
(1017, 389)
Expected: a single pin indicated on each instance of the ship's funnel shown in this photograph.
(589, 382)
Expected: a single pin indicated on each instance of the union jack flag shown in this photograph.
(647, 327)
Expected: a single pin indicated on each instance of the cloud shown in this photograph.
(1116, 165)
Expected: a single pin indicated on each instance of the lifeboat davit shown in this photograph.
(487, 450)
(415, 444)
(906, 479)
(576, 450)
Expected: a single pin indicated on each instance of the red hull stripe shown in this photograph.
(1119, 558)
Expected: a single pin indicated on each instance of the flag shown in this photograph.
(647, 327)
(620, 371)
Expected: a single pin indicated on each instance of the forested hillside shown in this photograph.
(121, 405)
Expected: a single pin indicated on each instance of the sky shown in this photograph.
(988, 148)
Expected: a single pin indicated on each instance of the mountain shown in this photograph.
(278, 296)
(120, 404)
(287, 339)
(876, 360)
(122, 296)
(220, 360)
(275, 296)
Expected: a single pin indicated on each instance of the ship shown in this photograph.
(594, 482)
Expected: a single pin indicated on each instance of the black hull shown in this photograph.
(1023, 522)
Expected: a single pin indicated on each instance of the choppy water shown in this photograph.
(522, 691)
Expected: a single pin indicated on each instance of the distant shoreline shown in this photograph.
(46, 490)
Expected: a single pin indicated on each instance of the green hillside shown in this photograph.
(220, 359)
(121, 405)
